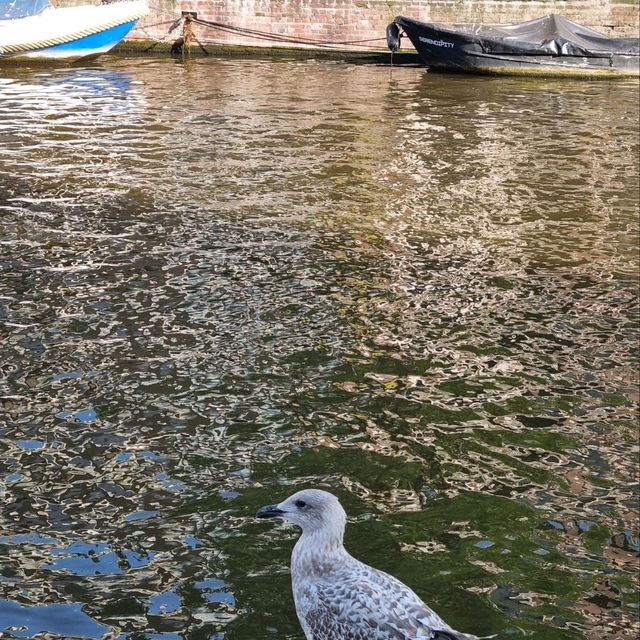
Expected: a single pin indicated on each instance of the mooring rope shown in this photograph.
(174, 25)
(188, 36)
(277, 37)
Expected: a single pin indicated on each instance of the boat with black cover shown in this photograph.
(551, 45)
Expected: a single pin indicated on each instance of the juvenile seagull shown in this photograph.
(340, 598)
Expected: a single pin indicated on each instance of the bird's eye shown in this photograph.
(301, 504)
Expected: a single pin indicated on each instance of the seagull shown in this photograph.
(340, 598)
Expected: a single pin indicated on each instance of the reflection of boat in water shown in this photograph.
(103, 95)
(551, 45)
(34, 29)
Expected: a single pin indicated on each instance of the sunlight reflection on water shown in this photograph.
(223, 280)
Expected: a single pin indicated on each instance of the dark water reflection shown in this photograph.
(224, 280)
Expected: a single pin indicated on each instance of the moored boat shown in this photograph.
(36, 30)
(551, 45)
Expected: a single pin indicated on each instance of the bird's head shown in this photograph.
(313, 510)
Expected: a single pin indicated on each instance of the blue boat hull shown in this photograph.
(82, 48)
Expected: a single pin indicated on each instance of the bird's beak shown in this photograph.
(270, 511)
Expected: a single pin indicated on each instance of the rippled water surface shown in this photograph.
(224, 280)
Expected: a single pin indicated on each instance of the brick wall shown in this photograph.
(347, 20)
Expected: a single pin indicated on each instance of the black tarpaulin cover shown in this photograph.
(550, 35)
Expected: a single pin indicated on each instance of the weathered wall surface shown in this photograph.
(346, 20)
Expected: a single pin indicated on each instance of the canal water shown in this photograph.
(224, 280)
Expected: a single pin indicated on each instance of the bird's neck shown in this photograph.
(317, 553)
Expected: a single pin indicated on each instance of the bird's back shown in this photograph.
(353, 601)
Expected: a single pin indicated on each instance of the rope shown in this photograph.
(275, 37)
(189, 35)
(174, 25)
(156, 24)
(243, 31)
